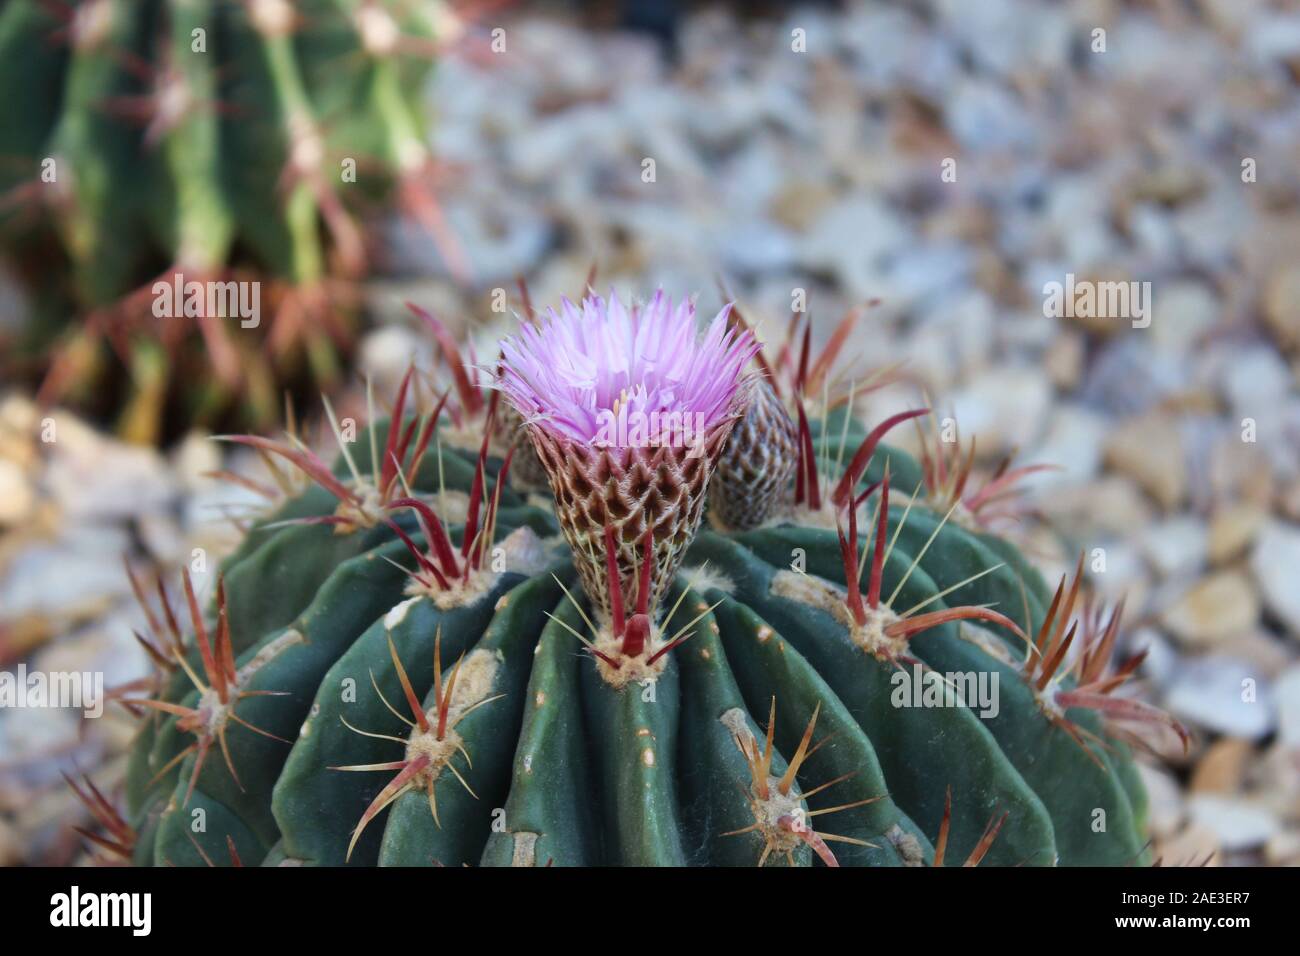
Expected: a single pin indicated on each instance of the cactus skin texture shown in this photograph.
(146, 138)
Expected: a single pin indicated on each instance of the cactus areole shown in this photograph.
(738, 631)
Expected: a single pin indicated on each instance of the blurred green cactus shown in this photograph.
(214, 140)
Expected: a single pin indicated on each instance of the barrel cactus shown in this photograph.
(215, 140)
(414, 662)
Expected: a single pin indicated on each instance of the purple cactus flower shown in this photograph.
(581, 367)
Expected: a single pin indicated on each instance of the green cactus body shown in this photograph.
(543, 761)
(222, 140)
(418, 661)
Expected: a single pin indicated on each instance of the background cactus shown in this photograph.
(393, 672)
(207, 138)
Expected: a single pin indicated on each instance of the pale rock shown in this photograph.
(1211, 230)
(753, 247)
(1287, 689)
(1163, 661)
(1232, 530)
(1194, 845)
(1176, 546)
(1224, 695)
(1288, 504)
(1239, 824)
(851, 240)
(1218, 607)
(1153, 231)
(1231, 17)
(1111, 505)
(1124, 576)
(162, 537)
(17, 498)
(194, 458)
(983, 115)
(1149, 449)
(387, 352)
(1165, 799)
(1077, 222)
(1183, 313)
(1283, 849)
(924, 276)
(1007, 37)
(1274, 38)
(1282, 305)
(1276, 564)
(1261, 649)
(31, 734)
(1004, 407)
(1275, 780)
(1072, 446)
(1127, 376)
(1064, 360)
(66, 581)
(108, 649)
(1222, 767)
(497, 240)
(95, 478)
(751, 180)
(798, 203)
(1255, 380)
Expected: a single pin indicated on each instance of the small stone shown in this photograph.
(1283, 849)
(1261, 649)
(1005, 407)
(1193, 845)
(66, 581)
(1167, 810)
(1274, 561)
(1149, 450)
(1064, 360)
(1287, 689)
(1288, 501)
(1218, 607)
(851, 240)
(163, 538)
(1222, 768)
(1184, 313)
(93, 477)
(194, 458)
(1238, 823)
(1176, 546)
(1072, 445)
(1282, 305)
(1224, 695)
(1111, 505)
(1232, 529)
(16, 496)
(1162, 662)
(1255, 382)
(798, 204)
(755, 247)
